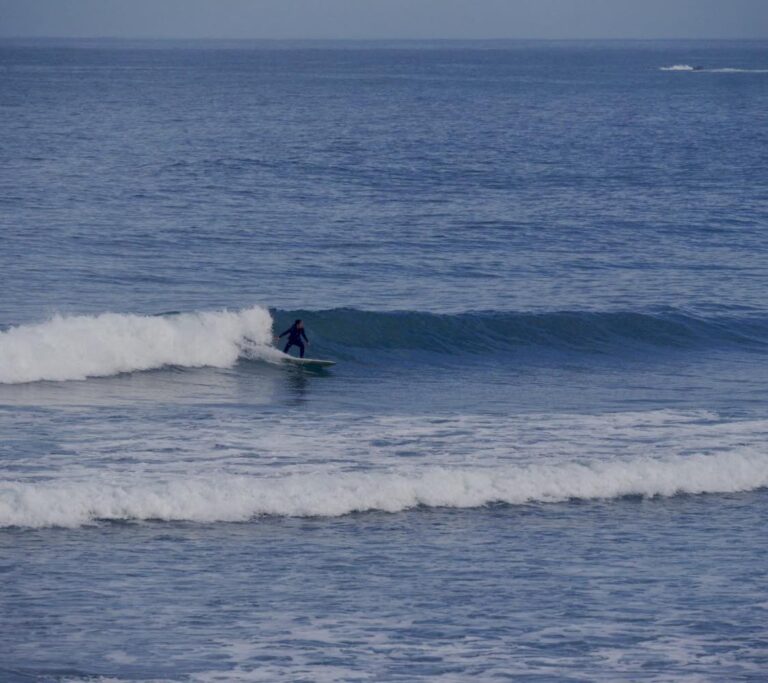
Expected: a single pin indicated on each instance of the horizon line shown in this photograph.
(385, 39)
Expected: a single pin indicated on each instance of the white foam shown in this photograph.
(724, 70)
(738, 71)
(232, 498)
(77, 347)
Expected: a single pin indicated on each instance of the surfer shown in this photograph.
(295, 334)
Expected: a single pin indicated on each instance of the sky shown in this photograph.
(364, 19)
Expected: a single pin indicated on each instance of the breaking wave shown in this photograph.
(77, 347)
(230, 498)
(343, 330)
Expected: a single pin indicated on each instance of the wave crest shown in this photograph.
(77, 347)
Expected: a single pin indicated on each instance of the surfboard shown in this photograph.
(310, 362)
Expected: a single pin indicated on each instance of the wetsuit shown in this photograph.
(295, 335)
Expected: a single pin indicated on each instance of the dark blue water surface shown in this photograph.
(438, 178)
(542, 270)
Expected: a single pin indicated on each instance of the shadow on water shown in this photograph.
(298, 384)
(300, 379)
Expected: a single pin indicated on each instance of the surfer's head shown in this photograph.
(299, 323)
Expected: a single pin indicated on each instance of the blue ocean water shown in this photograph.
(542, 270)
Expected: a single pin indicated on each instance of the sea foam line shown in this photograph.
(230, 498)
(77, 347)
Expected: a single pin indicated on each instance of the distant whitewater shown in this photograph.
(723, 70)
(678, 67)
(78, 347)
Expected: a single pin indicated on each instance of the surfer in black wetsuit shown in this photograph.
(295, 334)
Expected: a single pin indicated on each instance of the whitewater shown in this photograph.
(221, 498)
(248, 467)
(718, 70)
(77, 347)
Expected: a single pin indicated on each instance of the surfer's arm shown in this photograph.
(304, 334)
(284, 333)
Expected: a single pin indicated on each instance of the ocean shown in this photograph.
(541, 268)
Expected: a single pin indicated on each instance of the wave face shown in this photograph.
(233, 498)
(346, 329)
(77, 347)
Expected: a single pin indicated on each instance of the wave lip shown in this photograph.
(237, 498)
(77, 347)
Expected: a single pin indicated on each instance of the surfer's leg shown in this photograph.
(301, 349)
(287, 346)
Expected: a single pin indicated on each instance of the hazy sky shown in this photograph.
(386, 18)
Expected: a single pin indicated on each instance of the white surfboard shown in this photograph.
(311, 362)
